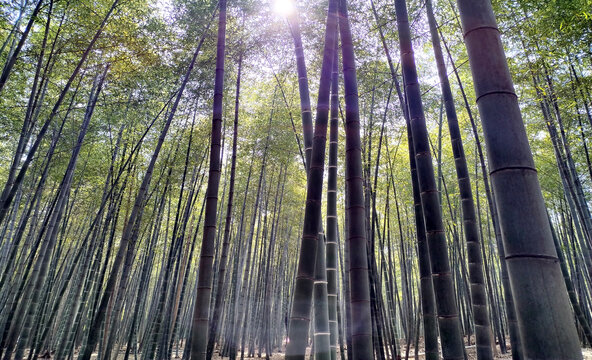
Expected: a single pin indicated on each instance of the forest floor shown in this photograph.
(471, 354)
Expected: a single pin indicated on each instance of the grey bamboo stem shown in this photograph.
(545, 322)
(361, 330)
(448, 319)
(200, 321)
(303, 288)
(476, 278)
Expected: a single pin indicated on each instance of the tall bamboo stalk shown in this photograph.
(303, 288)
(448, 320)
(226, 243)
(201, 312)
(535, 276)
(476, 278)
(331, 219)
(361, 321)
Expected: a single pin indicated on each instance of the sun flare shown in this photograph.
(283, 7)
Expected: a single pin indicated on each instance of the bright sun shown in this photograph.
(283, 7)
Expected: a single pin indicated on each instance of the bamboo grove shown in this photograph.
(380, 179)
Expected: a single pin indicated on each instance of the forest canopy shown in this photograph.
(377, 179)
